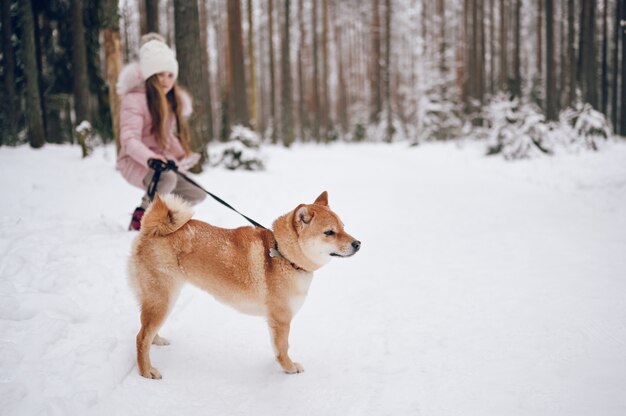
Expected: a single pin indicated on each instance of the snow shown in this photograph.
(483, 287)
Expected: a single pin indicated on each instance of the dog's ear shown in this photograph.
(302, 217)
(157, 201)
(322, 199)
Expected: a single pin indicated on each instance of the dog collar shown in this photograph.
(275, 253)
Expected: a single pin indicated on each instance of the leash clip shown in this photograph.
(160, 166)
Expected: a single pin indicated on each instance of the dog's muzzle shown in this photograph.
(356, 246)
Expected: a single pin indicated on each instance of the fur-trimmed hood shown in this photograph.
(130, 80)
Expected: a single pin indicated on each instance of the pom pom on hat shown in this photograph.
(155, 57)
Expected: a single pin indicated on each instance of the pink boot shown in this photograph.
(135, 222)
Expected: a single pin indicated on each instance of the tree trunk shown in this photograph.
(622, 105)
(304, 124)
(614, 78)
(316, 85)
(79, 64)
(34, 117)
(252, 93)
(504, 47)
(540, 37)
(376, 100)
(152, 16)
(206, 63)
(587, 52)
(481, 54)
(517, 63)
(464, 56)
(604, 88)
(286, 105)
(342, 99)
(325, 107)
(390, 129)
(571, 53)
(563, 69)
(237, 73)
(550, 93)
(191, 74)
(492, 48)
(272, 72)
(10, 104)
(113, 58)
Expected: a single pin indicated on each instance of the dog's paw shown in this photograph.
(296, 368)
(160, 340)
(152, 373)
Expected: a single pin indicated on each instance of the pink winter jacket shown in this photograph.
(138, 143)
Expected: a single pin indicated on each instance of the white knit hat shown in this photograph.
(155, 57)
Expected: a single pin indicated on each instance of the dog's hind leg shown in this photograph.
(153, 314)
(279, 330)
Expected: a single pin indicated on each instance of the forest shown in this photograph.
(522, 73)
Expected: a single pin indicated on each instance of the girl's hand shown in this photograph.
(158, 157)
(189, 161)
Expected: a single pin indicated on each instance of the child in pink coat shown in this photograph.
(153, 123)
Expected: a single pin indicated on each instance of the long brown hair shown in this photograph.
(159, 105)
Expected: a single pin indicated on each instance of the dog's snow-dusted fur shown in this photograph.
(257, 271)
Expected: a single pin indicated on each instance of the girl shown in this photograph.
(153, 124)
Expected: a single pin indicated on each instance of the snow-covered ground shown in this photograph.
(483, 287)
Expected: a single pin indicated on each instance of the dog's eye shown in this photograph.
(329, 232)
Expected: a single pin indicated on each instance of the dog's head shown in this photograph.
(320, 233)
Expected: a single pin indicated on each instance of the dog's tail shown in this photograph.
(165, 215)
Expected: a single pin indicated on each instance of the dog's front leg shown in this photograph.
(279, 329)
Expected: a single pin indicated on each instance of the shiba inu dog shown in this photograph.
(255, 270)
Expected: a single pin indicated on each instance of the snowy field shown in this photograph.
(483, 287)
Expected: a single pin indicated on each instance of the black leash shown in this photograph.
(160, 166)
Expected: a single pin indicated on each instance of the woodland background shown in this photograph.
(325, 70)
